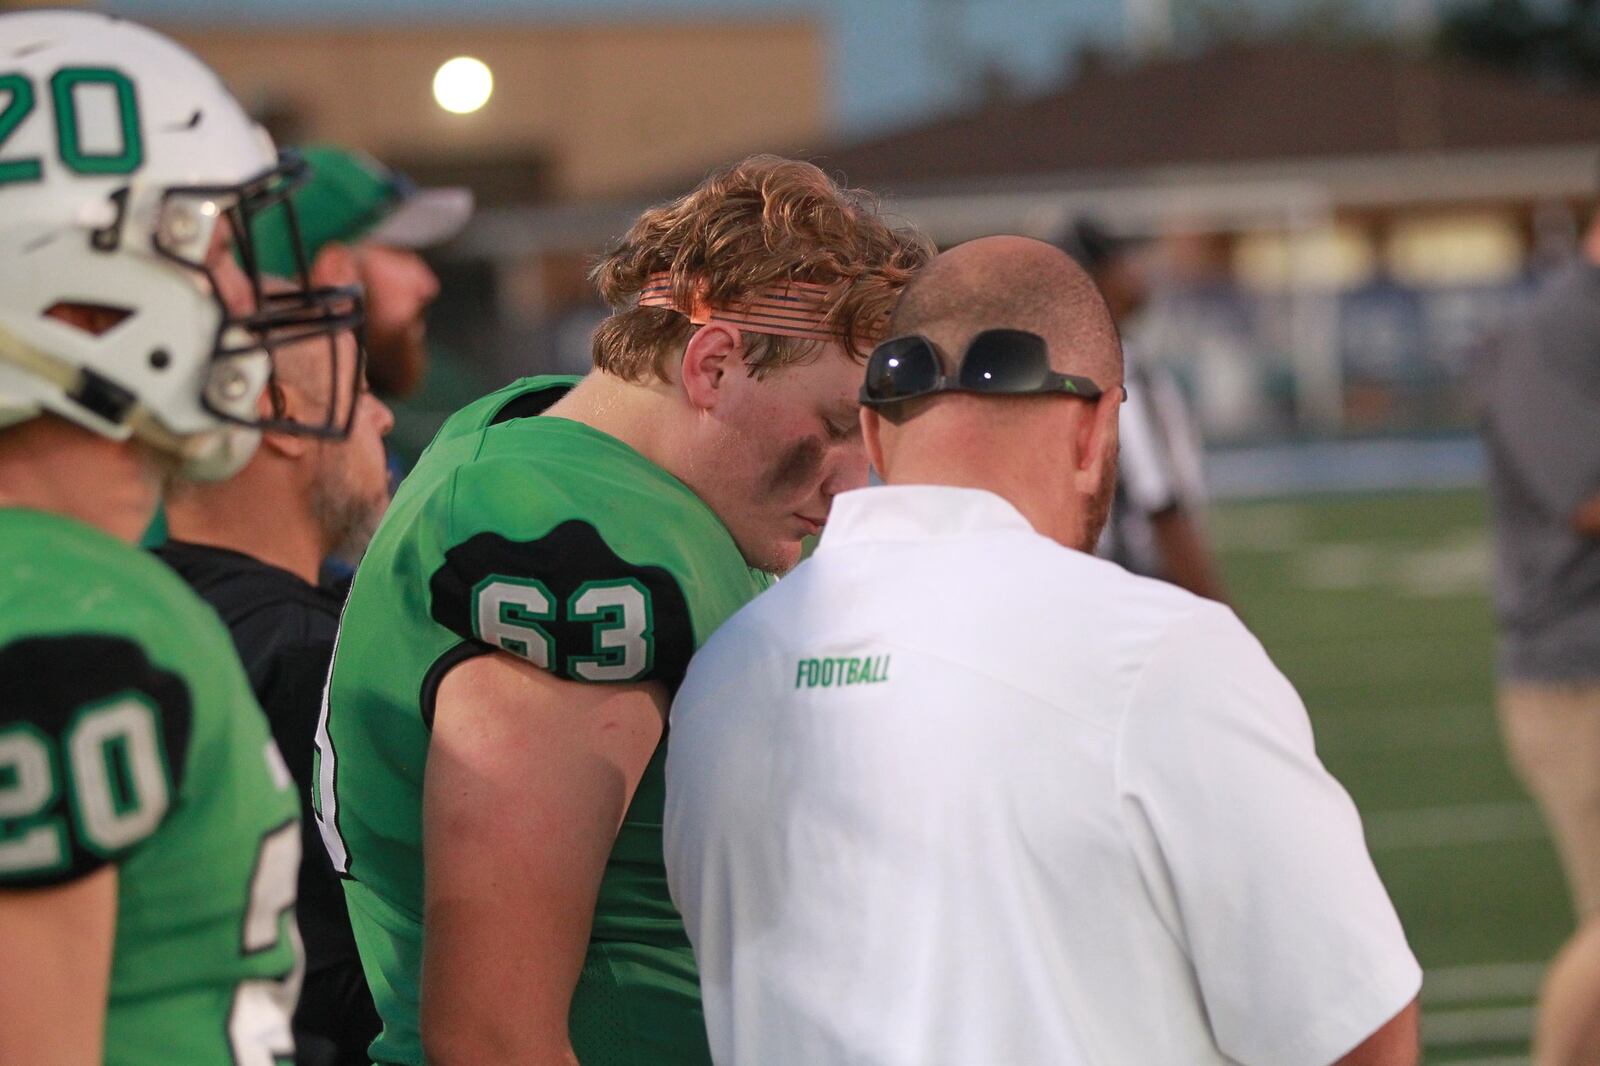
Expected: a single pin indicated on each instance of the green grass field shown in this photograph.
(1376, 607)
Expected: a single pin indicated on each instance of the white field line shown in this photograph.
(1448, 985)
(1263, 528)
(1444, 1024)
(1471, 823)
(1457, 565)
(1477, 1026)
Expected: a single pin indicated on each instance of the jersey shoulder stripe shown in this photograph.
(93, 739)
(548, 539)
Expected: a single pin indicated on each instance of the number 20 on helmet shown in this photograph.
(129, 182)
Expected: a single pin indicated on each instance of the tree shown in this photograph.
(1562, 45)
(1215, 21)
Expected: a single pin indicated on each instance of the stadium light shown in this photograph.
(463, 85)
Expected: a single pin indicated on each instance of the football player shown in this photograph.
(491, 750)
(148, 830)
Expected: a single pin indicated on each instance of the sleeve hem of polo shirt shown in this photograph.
(1321, 1003)
(1339, 1031)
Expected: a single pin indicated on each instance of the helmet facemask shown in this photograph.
(261, 314)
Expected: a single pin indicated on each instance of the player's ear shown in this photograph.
(715, 351)
(871, 428)
(274, 404)
(288, 445)
(1097, 440)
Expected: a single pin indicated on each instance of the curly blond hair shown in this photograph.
(761, 222)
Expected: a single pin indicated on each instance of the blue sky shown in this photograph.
(885, 57)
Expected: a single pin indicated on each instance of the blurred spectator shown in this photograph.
(1156, 526)
(352, 199)
(1541, 389)
(251, 548)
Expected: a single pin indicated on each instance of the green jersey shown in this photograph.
(542, 538)
(129, 736)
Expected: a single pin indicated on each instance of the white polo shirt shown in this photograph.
(953, 795)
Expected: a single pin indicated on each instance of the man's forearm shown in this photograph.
(55, 970)
(462, 1022)
(1185, 555)
(471, 1044)
(1395, 1043)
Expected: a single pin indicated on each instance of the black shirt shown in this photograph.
(284, 628)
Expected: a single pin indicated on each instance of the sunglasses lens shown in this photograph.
(901, 368)
(1005, 360)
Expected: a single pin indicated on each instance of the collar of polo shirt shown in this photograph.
(918, 512)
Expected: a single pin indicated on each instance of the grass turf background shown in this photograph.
(1377, 608)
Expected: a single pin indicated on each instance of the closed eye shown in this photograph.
(840, 431)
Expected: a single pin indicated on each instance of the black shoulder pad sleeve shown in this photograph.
(568, 604)
(93, 738)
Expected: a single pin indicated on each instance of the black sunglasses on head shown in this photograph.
(997, 362)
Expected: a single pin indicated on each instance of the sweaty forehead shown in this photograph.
(828, 375)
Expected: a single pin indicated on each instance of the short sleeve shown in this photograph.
(566, 602)
(1255, 854)
(93, 740)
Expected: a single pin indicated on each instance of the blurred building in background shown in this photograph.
(1338, 224)
(577, 109)
(551, 111)
(1341, 216)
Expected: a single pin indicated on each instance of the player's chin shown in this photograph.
(776, 556)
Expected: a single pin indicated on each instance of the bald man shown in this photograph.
(956, 791)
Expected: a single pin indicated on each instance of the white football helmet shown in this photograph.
(121, 155)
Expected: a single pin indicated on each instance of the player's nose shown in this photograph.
(384, 416)
(426, 282)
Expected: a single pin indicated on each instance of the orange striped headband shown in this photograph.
(793, 309)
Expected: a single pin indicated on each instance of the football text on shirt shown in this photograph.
(845, 670)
